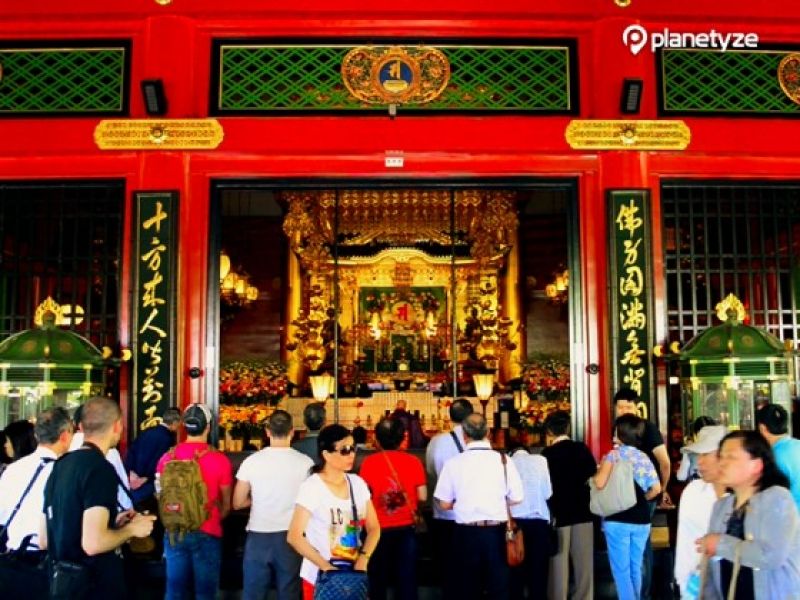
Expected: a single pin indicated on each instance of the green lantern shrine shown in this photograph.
(729, 370)
(47, 366)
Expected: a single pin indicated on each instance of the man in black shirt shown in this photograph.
(571, 464)
(626, 402)
(81, 523)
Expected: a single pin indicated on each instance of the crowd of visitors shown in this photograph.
(68, 507)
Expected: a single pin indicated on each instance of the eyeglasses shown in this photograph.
(344, 450)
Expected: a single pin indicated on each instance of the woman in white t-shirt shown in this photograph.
(324, 530)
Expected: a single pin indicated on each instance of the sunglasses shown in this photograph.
(344, 450)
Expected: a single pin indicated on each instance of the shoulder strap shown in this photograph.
(353, 504)
(121, 484)
(14, 512)
(457, 441)
(510, 522)
(397, 479)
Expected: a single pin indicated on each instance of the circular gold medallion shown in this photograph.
(789, 76)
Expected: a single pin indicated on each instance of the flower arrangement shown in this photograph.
(532, 417)
(252, 383)
(546, 379)
(241, 420)
(429, 302)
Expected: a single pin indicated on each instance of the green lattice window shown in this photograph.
(64, 80)
(701, 81)
(259, 78)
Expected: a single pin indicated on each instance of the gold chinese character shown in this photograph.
(148, 325)
(632, 356)
(149, 297)
(627, 219)
(154, 350)
(151, 420)
(631, 250)
(632, 315)
(633, 283)
(634, 379)
(157, 218)
(153, 257)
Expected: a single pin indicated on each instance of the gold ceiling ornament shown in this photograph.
(487, 219)
(309, 235)
(395, 74)
(591, 134)
(731, 306)
(48, 306)
(491, 229)
(623, 3)
(789, 76)
(158, 134)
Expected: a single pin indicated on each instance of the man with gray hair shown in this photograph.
(22, 499)
(82, 529)
(268, 482)
(478, 485)
(314, 419)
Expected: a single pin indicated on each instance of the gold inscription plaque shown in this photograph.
(627, 135)
(158, 134)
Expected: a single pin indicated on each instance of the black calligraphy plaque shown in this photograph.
(155, 281)
(630, 276)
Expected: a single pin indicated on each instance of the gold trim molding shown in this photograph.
(588, 134)
(158, 134)
(486, 219)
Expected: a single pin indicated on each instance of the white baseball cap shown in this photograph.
(708, 439)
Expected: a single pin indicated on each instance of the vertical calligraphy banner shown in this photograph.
(155, 280)
(630, 275)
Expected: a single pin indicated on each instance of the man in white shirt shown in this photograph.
(268, 482)
(442, 448)
(478, 489)
(697, 501)
(53, 431)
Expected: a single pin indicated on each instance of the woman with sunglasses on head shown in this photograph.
(754, 535)
(324, 530)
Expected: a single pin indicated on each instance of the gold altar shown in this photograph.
(395, 282)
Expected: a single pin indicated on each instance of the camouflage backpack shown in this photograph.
(183, 500)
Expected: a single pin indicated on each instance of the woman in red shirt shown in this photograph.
(397, 481)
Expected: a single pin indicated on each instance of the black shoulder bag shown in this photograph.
(23, 571)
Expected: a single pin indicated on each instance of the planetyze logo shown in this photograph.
(636, 37)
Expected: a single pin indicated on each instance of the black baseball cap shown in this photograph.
(196, 418)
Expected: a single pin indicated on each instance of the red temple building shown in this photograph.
(243, 195)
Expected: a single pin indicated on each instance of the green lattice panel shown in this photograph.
(298, 78)
(75, 81)
(723, 82)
